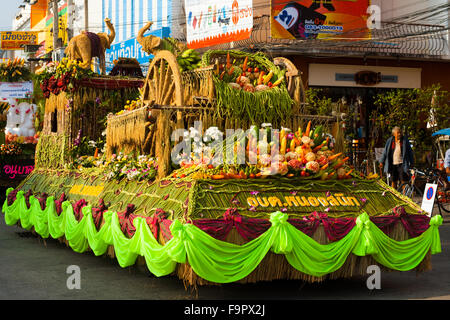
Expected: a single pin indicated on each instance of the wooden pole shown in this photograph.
(55, 25)
(86, 15)
(70, 19)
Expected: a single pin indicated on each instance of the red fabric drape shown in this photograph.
(77, 209)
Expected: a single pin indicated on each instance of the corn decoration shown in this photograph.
(130, 106)
(14, 71)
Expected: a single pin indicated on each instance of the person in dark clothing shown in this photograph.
(397, 157)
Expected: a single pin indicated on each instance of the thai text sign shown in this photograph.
(16, 40)
(317, 19)
(93, 191)
(14, 170)
(324, 201)
(16, 90)
(217, 21)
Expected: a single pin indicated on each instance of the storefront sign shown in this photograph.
(332, 19)
(338, 75)
(217, 21)
(16, 40)
(16, 90)
(366, 77)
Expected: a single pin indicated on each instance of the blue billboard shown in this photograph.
(131, 48)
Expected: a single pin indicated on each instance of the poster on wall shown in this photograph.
(320, 19)
(217, 21)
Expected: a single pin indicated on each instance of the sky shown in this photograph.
(9, 8)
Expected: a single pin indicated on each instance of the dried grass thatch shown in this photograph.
(127, 132)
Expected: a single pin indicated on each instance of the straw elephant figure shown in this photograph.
(152, 44)
(88, 45)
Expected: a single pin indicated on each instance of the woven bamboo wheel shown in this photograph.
(163, 84)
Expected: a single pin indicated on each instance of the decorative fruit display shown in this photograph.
(189, 60)
(301, 154)
(246, 75)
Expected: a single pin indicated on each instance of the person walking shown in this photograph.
(397, 157)
(447, 169)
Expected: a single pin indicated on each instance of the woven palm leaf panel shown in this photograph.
(259, 198)
(146, 196)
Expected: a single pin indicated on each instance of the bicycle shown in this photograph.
(411, 190)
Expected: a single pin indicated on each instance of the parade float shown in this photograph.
(292, 208)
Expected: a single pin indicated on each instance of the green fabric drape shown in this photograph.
(215, 260)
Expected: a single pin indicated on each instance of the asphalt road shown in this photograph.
(35, 269)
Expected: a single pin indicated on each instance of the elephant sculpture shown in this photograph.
(152, 44)
(88, 45)
(20, 120)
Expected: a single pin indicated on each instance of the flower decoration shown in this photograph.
(236, 202)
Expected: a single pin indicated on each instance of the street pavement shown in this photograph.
(32, 268)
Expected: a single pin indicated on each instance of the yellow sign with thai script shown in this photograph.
(16, 40)
(335, 200)
(83, 190)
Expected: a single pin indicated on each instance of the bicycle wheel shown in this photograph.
(406, 189)
(443, 202)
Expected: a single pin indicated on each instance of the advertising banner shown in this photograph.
(320, 19)
(217, 21)
(15, 40)
(62, 32)
(16, 90)
(131, 48)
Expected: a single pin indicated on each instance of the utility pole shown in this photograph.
(55, 25)
(70, 19)
(86, 15)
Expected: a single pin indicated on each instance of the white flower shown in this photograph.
(92, 143)
(142, 158)
(264, 125)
